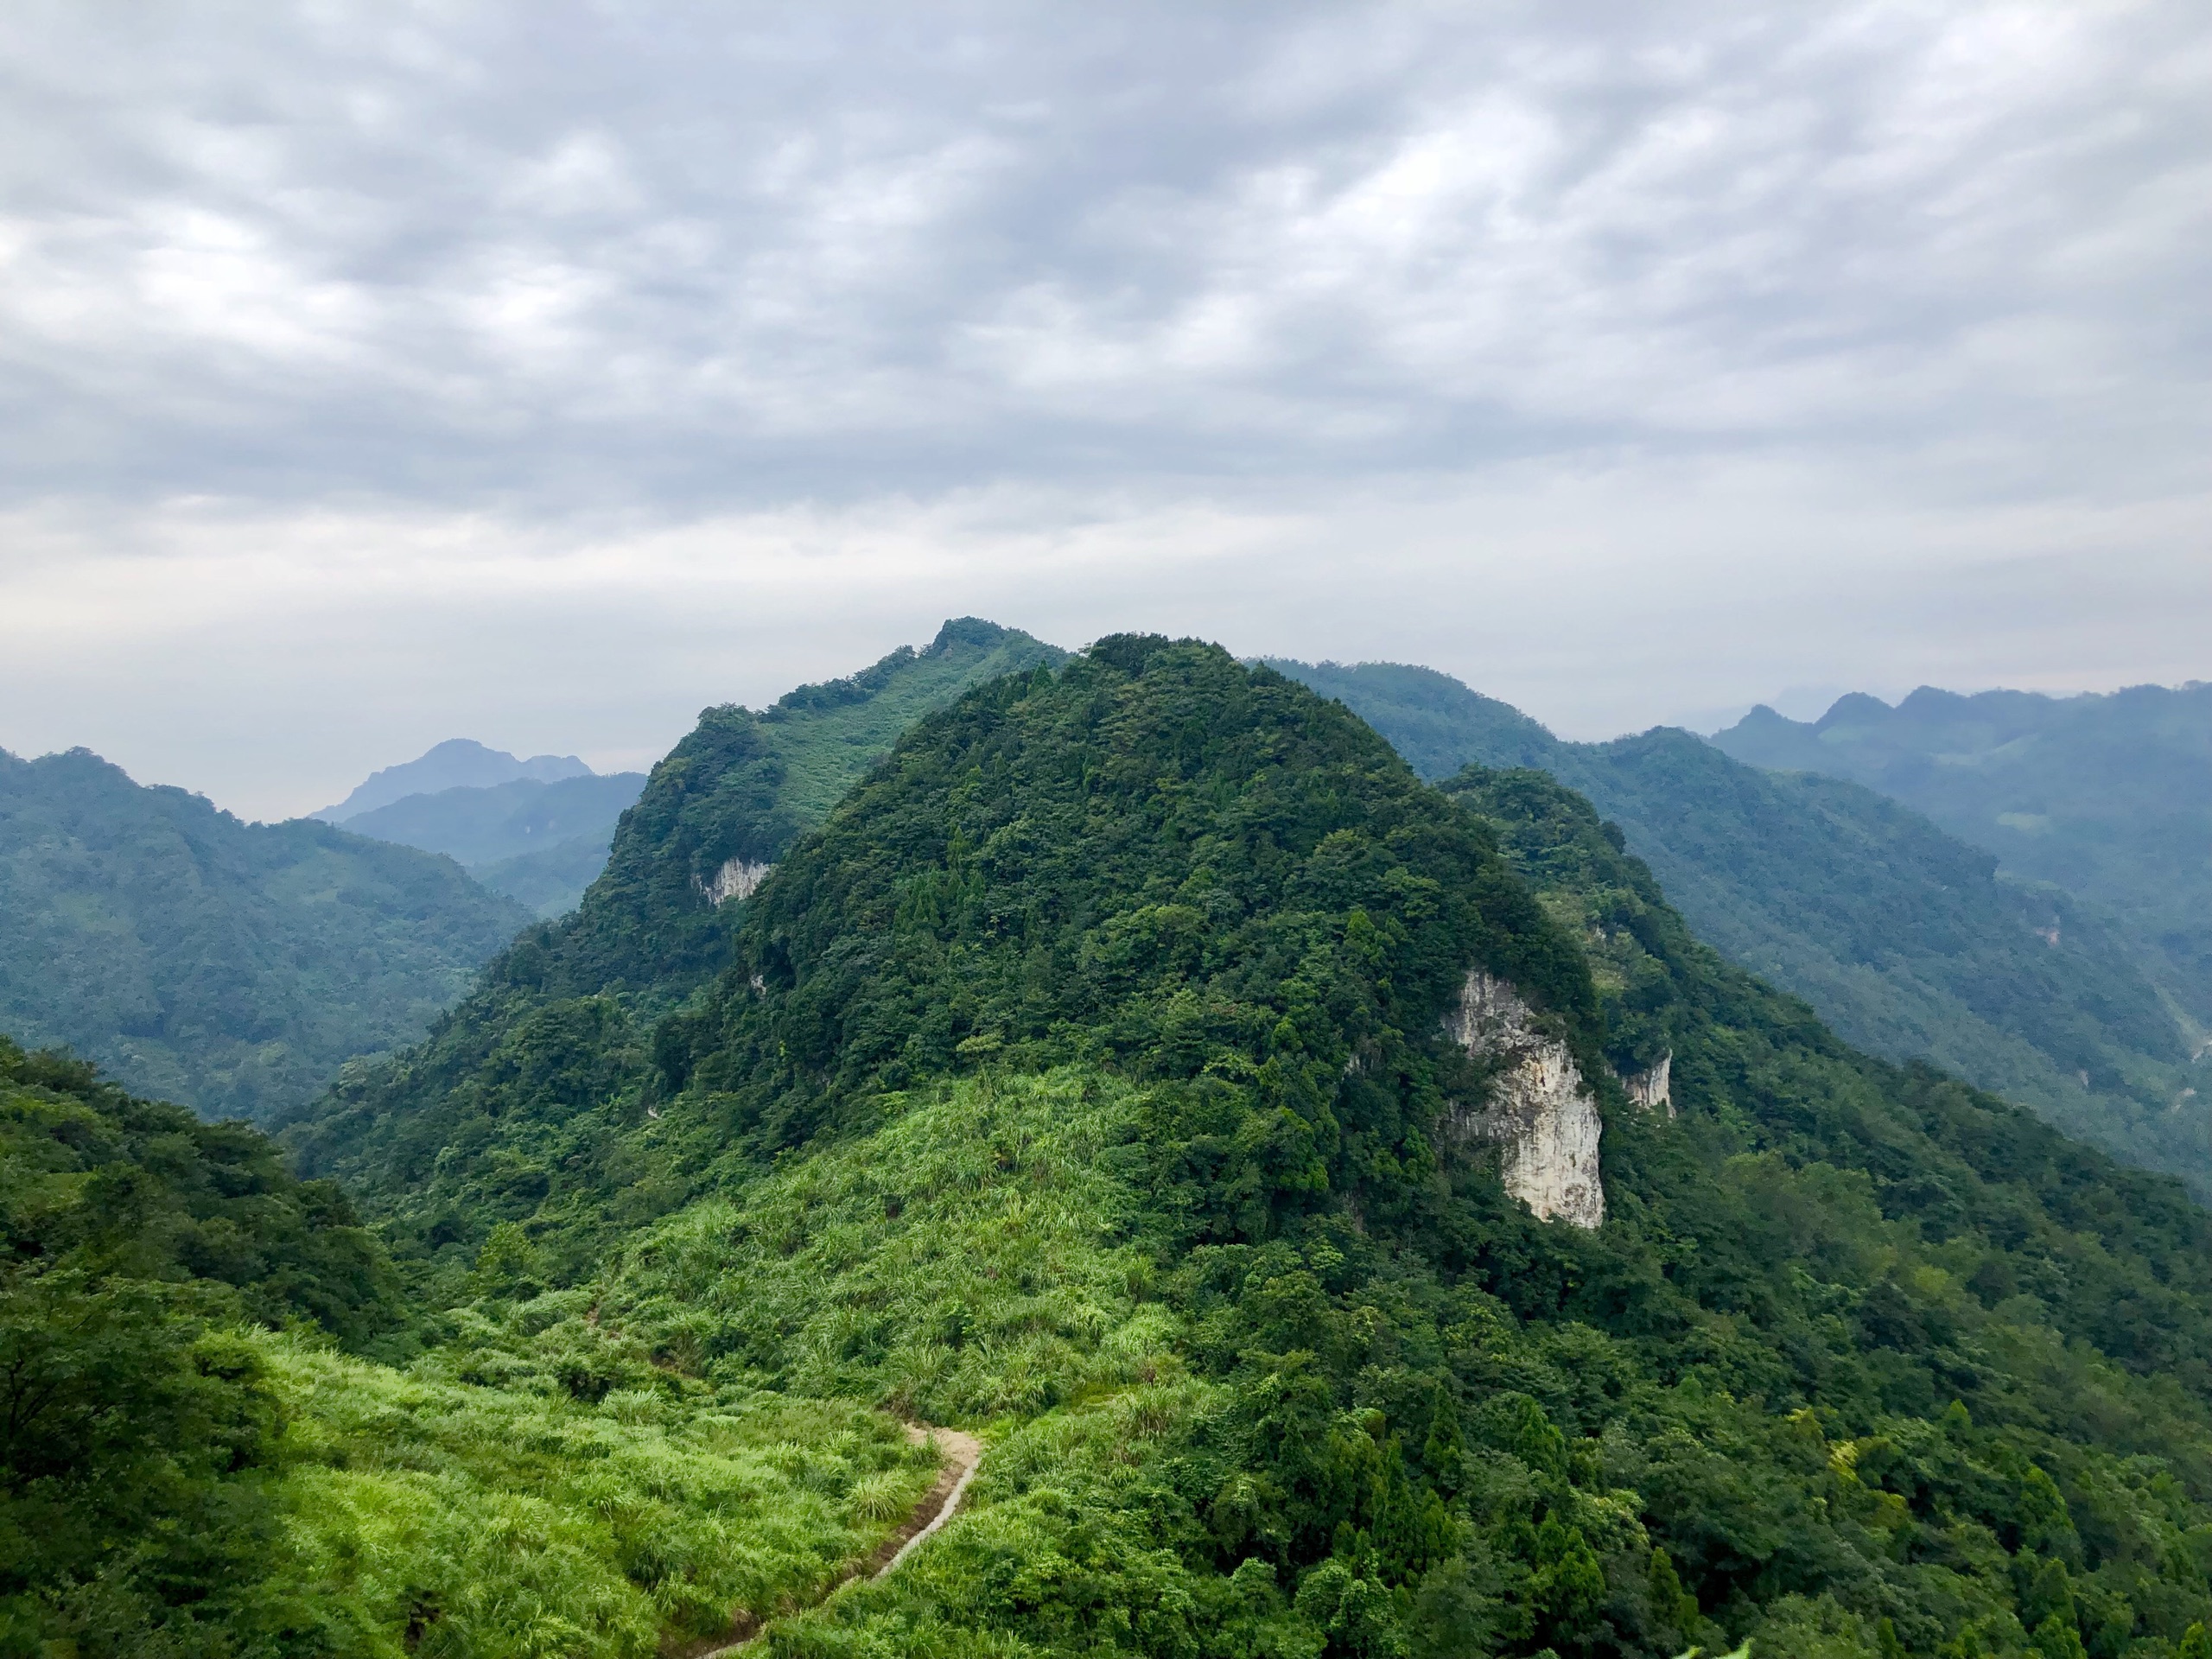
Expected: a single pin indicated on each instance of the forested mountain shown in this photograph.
(1907, 941)
(233, 967)
(457, 763)
(1100, 1074)
(540, 843)
(715, 815)
(2108, 797)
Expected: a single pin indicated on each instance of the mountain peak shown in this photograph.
(457, 763)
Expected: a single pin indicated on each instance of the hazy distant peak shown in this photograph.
(1852, 705)
(457, 763)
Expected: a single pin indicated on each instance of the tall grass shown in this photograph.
(973, 1259)
(437, 1517)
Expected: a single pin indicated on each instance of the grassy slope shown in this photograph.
(232, 966)
(1902, 938)
(2108, 797)
(176, 1480)
(489, 1520)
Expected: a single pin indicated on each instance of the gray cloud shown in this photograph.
(374, 373)
(718, 255)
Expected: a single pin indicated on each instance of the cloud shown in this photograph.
(715, 256)
(371, 372)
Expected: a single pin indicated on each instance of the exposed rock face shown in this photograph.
(1651, 1089)
(737, 879)
(1540, 1114)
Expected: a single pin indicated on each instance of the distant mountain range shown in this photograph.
(457, 763)
(1910, 943)
(2107, 797)
(231, 967)
(540, 841)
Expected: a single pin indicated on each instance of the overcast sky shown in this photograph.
(377, 374)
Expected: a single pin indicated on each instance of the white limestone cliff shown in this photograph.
(1653, 1089)
(737, 879)
(1540, 1114)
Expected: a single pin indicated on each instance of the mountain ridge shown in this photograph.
(232, 966)
(458, 762)
(2106, 795)
(1901, 934)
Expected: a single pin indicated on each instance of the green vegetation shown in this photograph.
(422, 1516)
(178, 1476)
(2107, 797)
(1081, 1080)
(232, 966)
(136, 1433)
(1908, 941)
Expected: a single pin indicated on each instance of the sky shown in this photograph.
(541, 373)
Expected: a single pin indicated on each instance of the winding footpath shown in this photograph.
(963, 1454)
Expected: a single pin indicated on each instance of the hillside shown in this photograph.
(232, 966)
(1140, 1066)
(1908, 941)
(540, 843)
(193, 1463)
(2107, 797)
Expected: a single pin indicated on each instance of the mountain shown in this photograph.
(481, 825)
(2108, 797)
(457, 763)
(1143, 1068)
(714, 816)
(1908, 942)
(540, 843)
(233, 967)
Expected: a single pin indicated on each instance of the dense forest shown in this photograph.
(1905, 939)
(2108, 796)
(232, 966)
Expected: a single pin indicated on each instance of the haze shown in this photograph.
(373, 375)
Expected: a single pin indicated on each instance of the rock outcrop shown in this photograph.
(737, 879)
(1540, 1114)
(1652, 1090)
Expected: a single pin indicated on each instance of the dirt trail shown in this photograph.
(962, 1453)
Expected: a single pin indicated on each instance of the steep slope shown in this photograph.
(558, 1019)
(540, 843)
(1905, 939)
(2108, 797)
(1097, 1076)
(457, 763)
(232, 966)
